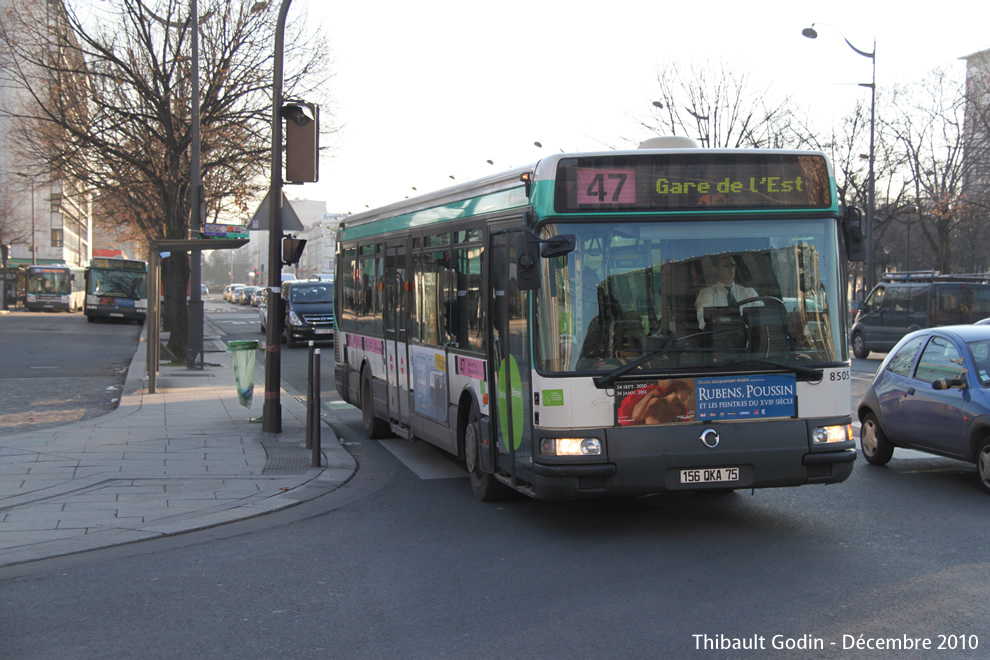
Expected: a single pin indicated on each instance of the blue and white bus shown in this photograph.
(117, 288)
(567, 329)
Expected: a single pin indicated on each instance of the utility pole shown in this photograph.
(194, 333)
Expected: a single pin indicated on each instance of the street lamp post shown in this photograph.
(34, 241)
(811, 33)
(271, 421)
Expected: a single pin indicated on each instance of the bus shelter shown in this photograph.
(153, 326)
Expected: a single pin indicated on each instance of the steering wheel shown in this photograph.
(774, 299)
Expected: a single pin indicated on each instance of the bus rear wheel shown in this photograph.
(484, 485)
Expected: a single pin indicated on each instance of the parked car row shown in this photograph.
(242, 294)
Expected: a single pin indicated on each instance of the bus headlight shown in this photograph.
(571, 447)
(827, 434)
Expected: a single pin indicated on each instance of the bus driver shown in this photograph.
(725, 292)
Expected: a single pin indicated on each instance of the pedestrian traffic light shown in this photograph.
(292, 249)
(302, 142)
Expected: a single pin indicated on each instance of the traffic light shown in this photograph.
(292, 249)
(302, 142)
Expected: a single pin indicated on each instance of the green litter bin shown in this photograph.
(243, 354)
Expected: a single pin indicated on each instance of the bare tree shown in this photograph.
(12, 230)
(972, 239)
(108, 105)
(720, 108)
(851, 160)
(928, 125)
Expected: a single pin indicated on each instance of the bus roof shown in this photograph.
(509, 190)
(476, 188)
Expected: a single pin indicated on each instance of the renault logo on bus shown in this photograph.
(709, 438)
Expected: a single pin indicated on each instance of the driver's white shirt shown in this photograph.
(717, 295)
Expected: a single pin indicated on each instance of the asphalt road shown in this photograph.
(56, 368)
(396, 564)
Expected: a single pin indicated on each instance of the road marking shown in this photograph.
(43, 367)
(424, 460)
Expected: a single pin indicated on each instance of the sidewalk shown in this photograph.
(182, 459)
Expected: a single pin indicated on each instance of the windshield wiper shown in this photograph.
(810, 373)
(606, 381)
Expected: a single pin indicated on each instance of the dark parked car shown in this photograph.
(905, 302)
(308, 312)
(932, 394)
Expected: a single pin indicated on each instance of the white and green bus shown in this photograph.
(568, 329)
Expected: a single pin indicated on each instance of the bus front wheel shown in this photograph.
(375, 427)
(484, 485)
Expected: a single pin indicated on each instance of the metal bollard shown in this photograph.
(309, 399)
(317, 425)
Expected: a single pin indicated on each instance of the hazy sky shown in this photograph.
(433, 88)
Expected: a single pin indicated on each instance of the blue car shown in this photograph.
(932, 394)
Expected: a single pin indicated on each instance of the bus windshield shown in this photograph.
(118, 283)
(49, 280)
(693, 295)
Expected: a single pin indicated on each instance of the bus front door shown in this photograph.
(509, 366)
(396, 334)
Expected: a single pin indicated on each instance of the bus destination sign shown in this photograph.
(212, 230)
(653, 182)
(110, 263)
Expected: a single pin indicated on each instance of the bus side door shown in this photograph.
(509, 364)
(396, 330)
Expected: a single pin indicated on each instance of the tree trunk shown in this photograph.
(175, 278)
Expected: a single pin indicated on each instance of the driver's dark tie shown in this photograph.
(731, 299)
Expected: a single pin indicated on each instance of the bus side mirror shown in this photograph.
(558, 246)
(853, 232)
(527, 261)
(530, 248)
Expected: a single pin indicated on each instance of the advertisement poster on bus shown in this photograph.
(716, 398)
(746, 397)
(430, 383)
(655, 402)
